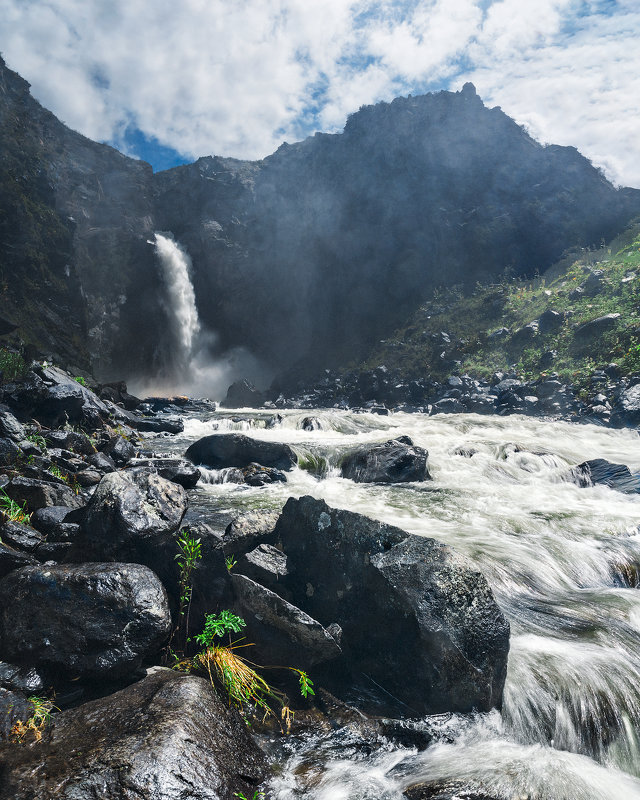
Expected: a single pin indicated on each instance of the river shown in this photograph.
(562, 561)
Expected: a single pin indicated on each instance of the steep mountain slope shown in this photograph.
(309, 256)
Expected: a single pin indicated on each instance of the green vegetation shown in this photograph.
(235, 674)
(189, 553)
(36, 723)
(421, 350)
(80, 380)
(15, 512)
(257, 795)
(38, 440)
(12, 365)
(230, 562)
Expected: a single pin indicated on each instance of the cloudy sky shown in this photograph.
(171, 80)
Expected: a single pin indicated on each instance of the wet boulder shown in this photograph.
(284, 634)
(265, 564)
(587, 331)
(119, 449)
(627, 407)
(37, 493)
(20, 679)
(157, 424)
(21, 536)
(131, 516)
(247, 530)
(8, 452)
(396, 461)
(177, 470)
(236, 450)
(82, 619)
(382, 586)
(600, 472)
(11, 559)
(257, 475)
(10, 428)
(167, 737)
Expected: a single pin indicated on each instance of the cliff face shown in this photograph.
(318, 250)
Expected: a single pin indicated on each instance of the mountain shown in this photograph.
(305, 258)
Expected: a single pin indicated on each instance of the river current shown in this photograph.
(563, 563)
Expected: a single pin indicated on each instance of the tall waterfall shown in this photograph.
(176, 268)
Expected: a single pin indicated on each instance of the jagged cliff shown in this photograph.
(309, 255)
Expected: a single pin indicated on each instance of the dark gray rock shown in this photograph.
(311, 424)
(246, 531)
(102, 462)
(525, 334)
(20, 679)
(83, 619)
(236, 450)
(11, 559)
(70, 440)
(7, 327)
(448, 405)
(257, 475)
(157, 425)
(130, 515)
(177, 470)
(47, 520)
(284, 635)
(395, 461)
(595, 327)
(88, 477)
(8, 452)
(21, 536)
(167, 737)
(264, 564)
(382, 585)
(13, 707)
(594, 283)
(242, 394)
(627, 407)
(10, 428)
(447, 790)
(599, 471)
(120, 450)
(550, 321)
(39, 494)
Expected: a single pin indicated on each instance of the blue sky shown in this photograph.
(172, 81)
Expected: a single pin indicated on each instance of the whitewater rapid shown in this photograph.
(562, 561)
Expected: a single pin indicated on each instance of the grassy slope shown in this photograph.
(420, 350)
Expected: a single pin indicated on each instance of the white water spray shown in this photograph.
(176, 268)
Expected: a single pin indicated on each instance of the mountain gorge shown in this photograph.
(306, 258)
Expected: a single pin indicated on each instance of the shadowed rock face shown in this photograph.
(330, 242)
(167, 737)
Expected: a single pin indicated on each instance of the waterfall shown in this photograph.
(176, 267)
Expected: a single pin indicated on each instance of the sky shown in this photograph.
(172, 80)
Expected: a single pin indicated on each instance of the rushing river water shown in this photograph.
(562, 562)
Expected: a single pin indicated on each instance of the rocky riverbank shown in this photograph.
(90, 592)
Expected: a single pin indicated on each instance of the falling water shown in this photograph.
(181, 300)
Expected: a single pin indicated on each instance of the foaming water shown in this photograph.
(563, 562)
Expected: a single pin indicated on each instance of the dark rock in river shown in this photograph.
(236, 450)
(446, 790)
(131, 514)
(384, 586)
(396, 461)
(168, 737)
(627, 407)
(242, 394)
(603, 472)
(82, 619)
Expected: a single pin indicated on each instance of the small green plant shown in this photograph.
(80, 380)
(12, 365)
(255, 796)
(217, 625)
(36, 723)
(38, 440)
(55, 470)
(230, 562)
(16, 512)
(189, 553)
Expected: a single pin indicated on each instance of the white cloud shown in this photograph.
(236, 77)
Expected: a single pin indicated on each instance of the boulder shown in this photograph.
(236, 450)
(177, 470)
(257, 475)
(9, 426)
(627, 407)
(38, 494)
(311, 424)
(242, 394)
(247, 530)
(21, 536)
(70, 440)
(82, 619)
(284, 635)
(595, 327)
(131, 514)
(446, 790)
(11, 559)
(599, 471)
(265, 564)
(8, 452)
(20, 679)
(119, 449)
(167, 737)
(382, 586)
(396, 461)
(157, 425)
(550, 321)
